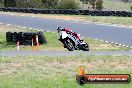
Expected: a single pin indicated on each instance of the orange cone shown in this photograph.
(37, 42)
(32, 44)
(18, 46)
(81, 71)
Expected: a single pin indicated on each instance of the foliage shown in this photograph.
(99, 4)
(50, 3)
(68, 4)
(85, 1)
(1, 3)
(47, 4)
(131, 7)
(9, 3)
(29, 4)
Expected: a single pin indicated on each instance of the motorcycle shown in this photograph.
(71, 40)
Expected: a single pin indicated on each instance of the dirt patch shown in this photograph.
(44, 16)
(6, 28)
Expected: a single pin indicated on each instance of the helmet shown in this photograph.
(59, 29)
(68, 29)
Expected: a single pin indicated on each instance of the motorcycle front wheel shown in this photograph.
(85, 47)
(69, 44)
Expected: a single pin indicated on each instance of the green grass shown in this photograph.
(60, 72)
(110, 19)
(114, 5)
(102, 19)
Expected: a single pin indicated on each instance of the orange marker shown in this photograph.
(18, 46)
(32, 44)
(81, 71)
(37, 42)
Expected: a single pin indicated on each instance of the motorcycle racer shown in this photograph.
(69, 30)
(71, 40)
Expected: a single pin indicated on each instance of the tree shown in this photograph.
(99, 4)
(1, 3)
(93, 3)
(131, 7)
(29, 4)
(50, 3)
(68, 4)
(85, 1)
(96, 4)
(9, 3)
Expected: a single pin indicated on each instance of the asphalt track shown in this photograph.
(63, 53)
(120, 35)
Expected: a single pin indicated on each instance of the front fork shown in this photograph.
(65, 46)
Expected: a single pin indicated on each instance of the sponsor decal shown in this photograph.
(83, 78)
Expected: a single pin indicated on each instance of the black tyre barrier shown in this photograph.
(42, 38)
(69, 11)
(25, 38)
(9, 37)
(0, 9)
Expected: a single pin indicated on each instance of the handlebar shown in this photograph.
(60, 29)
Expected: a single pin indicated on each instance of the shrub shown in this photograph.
(68, 4)
(50, 3)
(99, 4)
(1, 3)
(9, 3)
(29, 4)
(131, 7)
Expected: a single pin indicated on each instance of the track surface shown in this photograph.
(119, 35)
(64, 53)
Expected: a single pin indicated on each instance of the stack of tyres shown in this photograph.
(113, 13)
(41, 37)
(61, 11)
(20, 37)
(86, 12)
(25, 38)
(15, 37)
(77, 12)
(0, 9)
(9, 37)
(128, 14)
(56, 12)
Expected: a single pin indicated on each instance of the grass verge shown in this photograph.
(116, 5)
(60, 72)
(102, 19)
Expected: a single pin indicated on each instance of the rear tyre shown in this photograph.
(69, 44)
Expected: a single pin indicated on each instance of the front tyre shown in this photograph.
(85, 47)
(69, 44)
